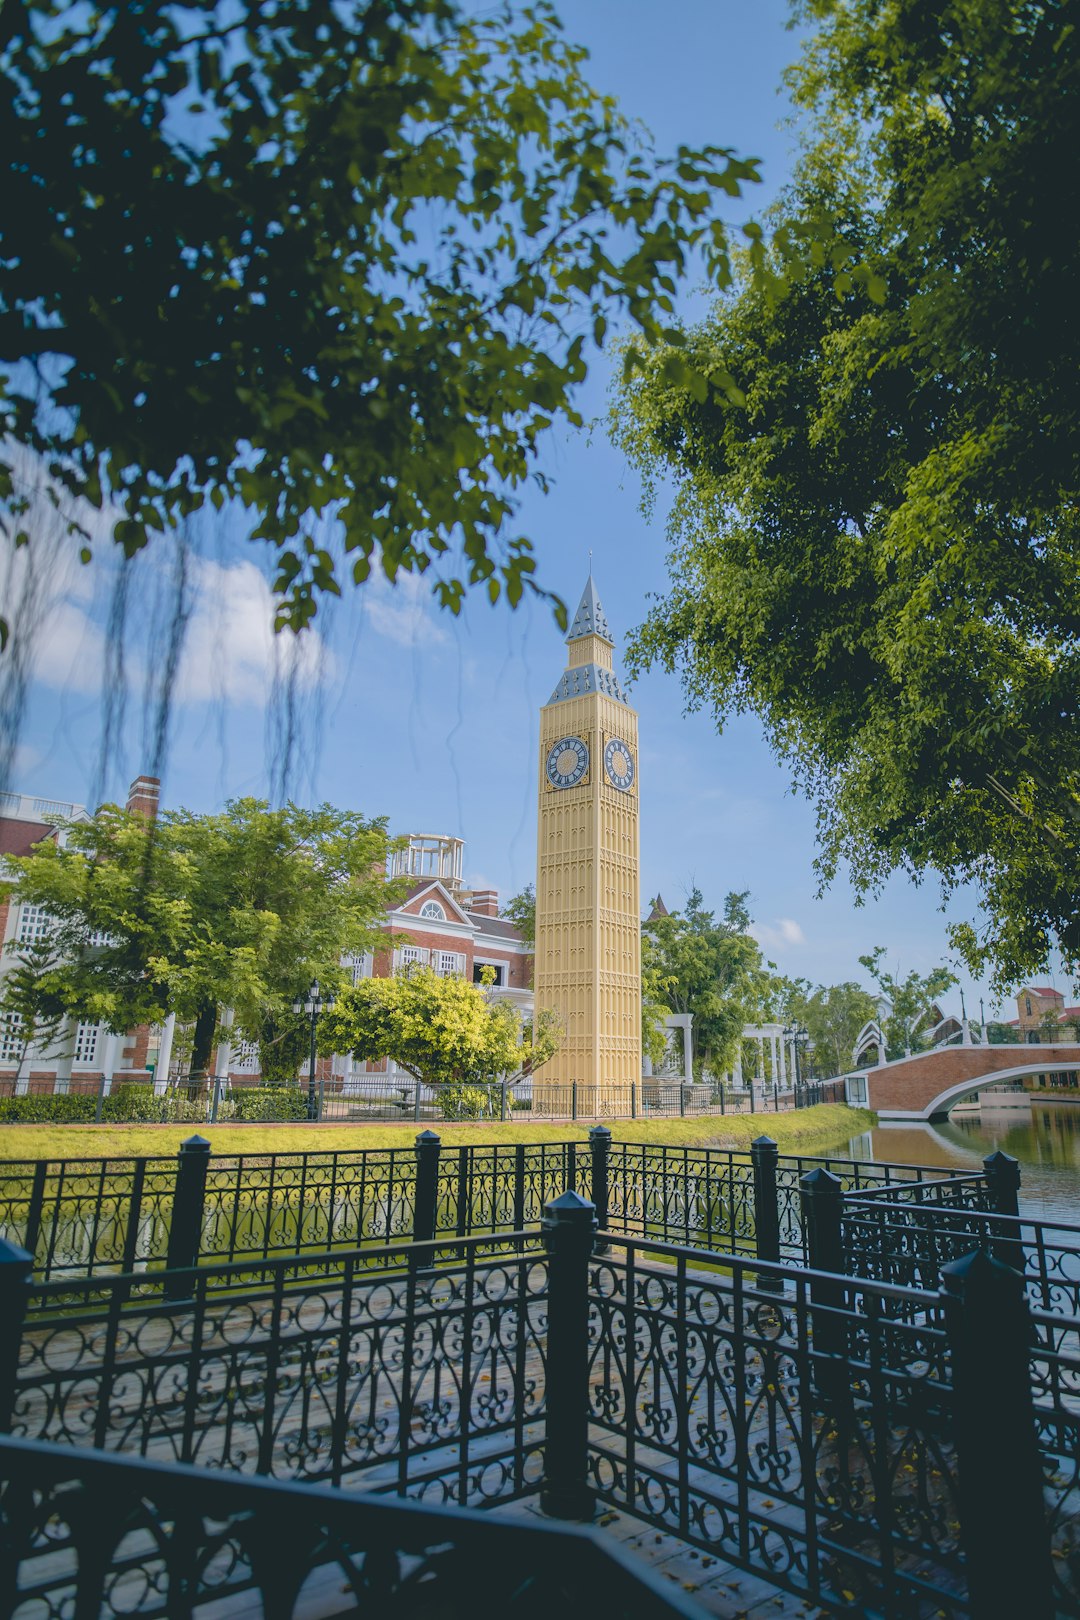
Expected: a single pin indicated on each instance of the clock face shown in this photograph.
(619, 764)
(567, 762)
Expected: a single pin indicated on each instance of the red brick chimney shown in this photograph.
(485, 901)
(142, 797)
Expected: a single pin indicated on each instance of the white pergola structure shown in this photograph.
(775, 1057)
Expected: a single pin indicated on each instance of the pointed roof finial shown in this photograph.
(590, 620)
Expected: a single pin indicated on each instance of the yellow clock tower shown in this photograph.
(588, 905)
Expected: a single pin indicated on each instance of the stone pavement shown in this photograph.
(720, 1589)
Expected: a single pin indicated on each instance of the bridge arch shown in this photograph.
(927, 1085)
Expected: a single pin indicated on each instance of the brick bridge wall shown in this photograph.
(911, 1085)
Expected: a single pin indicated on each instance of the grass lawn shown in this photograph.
(810, 1130)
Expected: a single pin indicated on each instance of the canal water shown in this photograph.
(1045, 1138)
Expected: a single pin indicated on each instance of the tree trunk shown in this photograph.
(202, 1041)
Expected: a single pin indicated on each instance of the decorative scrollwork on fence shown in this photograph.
(714, 1417)
(426, 1383)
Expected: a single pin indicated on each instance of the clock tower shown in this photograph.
(588, 905)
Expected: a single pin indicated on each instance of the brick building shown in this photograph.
(446, 926)
(83, 1051)
(1043, 1016)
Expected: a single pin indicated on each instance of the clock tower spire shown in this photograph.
(588, 908)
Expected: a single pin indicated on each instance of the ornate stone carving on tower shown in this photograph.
(588, 907)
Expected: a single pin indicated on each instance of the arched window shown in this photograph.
(433, 911)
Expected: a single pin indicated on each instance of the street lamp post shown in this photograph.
(315, 1004)
(798, 1035)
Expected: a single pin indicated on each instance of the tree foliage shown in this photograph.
(329, 260)
(906, 1026)
(877, 552)
(691, 963)
(834, 1014)
(439, 1030)
(191, 913)
(520, 909)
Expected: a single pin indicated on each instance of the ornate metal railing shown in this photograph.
(420, 1381)
(909, 1244)
(113, 1536)
(716, 1416)
(869, 1447)
(86, 1217)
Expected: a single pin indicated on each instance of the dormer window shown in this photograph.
(432, 910)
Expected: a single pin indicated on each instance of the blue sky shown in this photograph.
(432, 722)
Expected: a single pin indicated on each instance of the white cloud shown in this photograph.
(775, 936)
(232, 654)
(405, 612)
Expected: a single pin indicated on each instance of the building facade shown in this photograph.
(82, 1052)
(588, 896)
(443, 925)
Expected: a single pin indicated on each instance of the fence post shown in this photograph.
(600, 1146)
(185, 1229)
(822, 1216)
(568, 1226)
(1003, 1526)
(215, 1098)
(633, 1099)
(573, 1099)
(416, 1103)
(519, 1186)
(764, 1154)
(428, 1148)
(100, 1100)
(502, 1098)
(1003, 1181)
(319, 1112)
(16, 1267)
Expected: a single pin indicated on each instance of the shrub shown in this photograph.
(268, 1104)
(133, 1105)
(40, 1109)
(464, 1102)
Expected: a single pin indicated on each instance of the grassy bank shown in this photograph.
(810, 1130)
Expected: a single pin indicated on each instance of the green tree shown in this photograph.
(834, 1014)
(520, 909)
(691, 963)
(877, 552)
(192, 913)
(37, 1025)
(910, 1000)
(998, 1034)
(442, 1031)
(326, 260)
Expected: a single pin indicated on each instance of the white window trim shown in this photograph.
(34, 924)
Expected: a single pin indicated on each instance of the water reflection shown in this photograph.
(1045, 1139)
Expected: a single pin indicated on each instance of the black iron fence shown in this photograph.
(84, 1217)
(114, 1536)
(869, 1447)
(218, 1099)
(419, 1381)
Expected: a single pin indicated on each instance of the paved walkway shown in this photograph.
(719, 1588)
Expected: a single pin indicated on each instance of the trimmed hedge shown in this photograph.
(126, 1105)
(39, 1109)
(266, 1104)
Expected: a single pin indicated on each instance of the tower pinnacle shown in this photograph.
(590, 619)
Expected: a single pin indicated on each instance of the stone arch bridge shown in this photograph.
(927, 1085)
